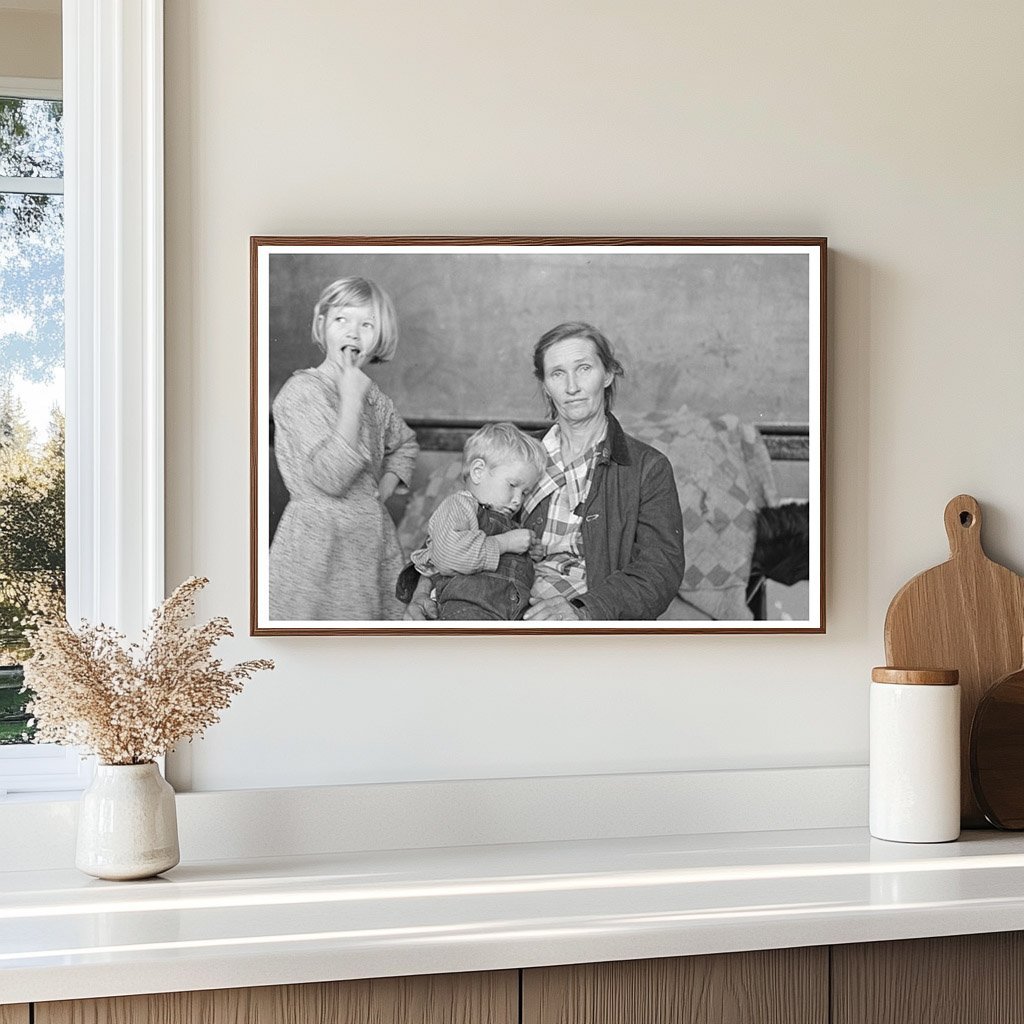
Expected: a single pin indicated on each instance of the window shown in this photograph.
(31, 382)
(32, 535)
(113, 311)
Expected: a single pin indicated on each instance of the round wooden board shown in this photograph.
(997, 752)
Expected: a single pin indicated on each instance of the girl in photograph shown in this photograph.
(342, 449)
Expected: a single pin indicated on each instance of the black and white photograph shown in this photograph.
(472, 435)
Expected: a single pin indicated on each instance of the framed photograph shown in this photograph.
(537, 435)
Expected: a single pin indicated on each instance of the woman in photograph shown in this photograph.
(605, 514)
(342, 450)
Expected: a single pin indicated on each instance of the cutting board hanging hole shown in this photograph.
(963, 525)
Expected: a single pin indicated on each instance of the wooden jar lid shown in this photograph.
(919, 676)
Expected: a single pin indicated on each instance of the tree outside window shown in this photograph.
(32, 573)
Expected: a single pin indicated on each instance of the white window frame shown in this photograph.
(114, 336)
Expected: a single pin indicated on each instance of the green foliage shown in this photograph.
(31, 524)
(14, 727)
(31, 548)
(31, 138)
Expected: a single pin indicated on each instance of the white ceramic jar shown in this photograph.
(915, 755)
(127, 824)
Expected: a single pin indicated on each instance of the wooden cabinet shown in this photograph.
(965, 979)
(962, 979)
(482, 998)
(968, 979)
(777, 986)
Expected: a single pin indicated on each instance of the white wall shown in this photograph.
(894, 129)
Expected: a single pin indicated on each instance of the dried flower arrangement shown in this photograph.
(130, 704)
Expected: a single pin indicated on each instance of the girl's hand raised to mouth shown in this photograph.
(348, 377)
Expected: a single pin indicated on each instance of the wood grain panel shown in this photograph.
(14, 1014)
(481, 998)
(779, 986)
(962, 979)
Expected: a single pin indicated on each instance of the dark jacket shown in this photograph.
(632, 531)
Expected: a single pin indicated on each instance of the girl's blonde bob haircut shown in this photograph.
(358, 291)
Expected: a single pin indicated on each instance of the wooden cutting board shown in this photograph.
(967, 614)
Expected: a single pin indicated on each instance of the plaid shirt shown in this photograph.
(563, 572)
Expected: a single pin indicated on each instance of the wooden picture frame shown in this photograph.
(723, 343)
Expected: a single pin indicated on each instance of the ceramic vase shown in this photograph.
(127, 825)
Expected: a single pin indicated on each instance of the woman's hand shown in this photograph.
(422, 607)
(555, 609)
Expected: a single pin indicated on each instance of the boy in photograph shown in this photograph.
(475, 555)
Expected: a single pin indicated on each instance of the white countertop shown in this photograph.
(225, 924)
